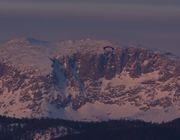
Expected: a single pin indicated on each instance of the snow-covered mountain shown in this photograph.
(87, 80)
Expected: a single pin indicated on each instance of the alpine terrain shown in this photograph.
(87, 80)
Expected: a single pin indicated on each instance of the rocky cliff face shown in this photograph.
(95, 80)
(87, 73)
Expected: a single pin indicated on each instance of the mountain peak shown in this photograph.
(34, 41)
(89, 80)
(27, 41)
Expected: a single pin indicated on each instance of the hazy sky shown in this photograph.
(153, 23)
(96, 1)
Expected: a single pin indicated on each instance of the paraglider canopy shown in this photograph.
(108, 48)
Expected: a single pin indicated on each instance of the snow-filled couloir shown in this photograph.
(87, 80)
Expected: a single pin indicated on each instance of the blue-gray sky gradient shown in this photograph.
(155, 23)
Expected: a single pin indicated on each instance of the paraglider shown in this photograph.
(108, 48)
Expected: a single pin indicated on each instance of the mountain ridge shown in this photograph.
(88, 80)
